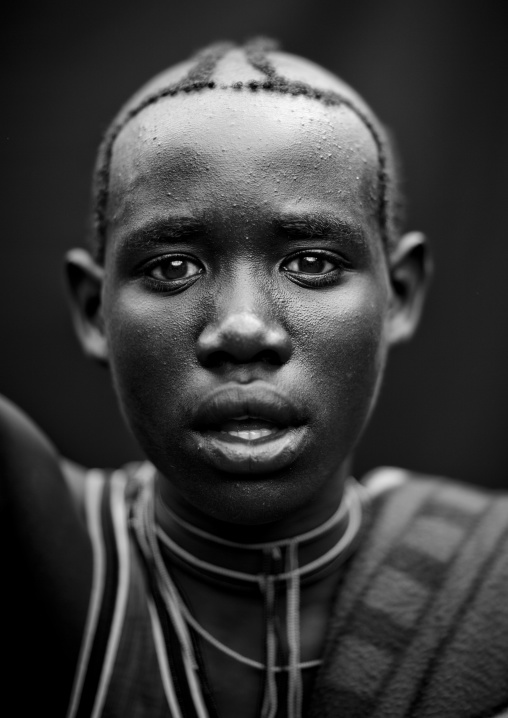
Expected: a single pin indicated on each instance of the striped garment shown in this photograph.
(419, 627)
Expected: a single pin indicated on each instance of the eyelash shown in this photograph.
(170, 285)
(308, 279)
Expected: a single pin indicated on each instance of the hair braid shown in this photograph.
(255, 52)
(199, 77)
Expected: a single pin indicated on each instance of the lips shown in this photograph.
(240, 402)
(248, 428)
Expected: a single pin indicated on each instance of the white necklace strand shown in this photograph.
(148, 533)
(334, 519)
(349, 505)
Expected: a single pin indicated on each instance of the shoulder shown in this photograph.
(437, 518)
(81, 481)
(450, 499)
(422, 607)
(386, 478)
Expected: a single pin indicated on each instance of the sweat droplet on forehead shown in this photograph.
(279, 146)
(219, 67)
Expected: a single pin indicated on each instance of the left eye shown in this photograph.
(172, 268)
(310, 264)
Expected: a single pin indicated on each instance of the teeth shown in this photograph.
(251, 434)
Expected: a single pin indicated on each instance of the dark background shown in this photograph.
(434, 71)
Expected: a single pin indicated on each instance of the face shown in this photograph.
(245, 299)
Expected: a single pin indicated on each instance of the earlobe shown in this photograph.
(410, 268)
(84, 284)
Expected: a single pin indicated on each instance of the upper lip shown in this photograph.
(252, 400)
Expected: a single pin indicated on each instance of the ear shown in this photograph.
(410, 268)
(84, 284)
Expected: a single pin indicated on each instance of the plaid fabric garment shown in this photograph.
(419, 628)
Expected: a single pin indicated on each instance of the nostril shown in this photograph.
(216, 359)
(268, 356)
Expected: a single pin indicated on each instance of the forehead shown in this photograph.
(254, 147)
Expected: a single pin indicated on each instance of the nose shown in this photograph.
(243, 336)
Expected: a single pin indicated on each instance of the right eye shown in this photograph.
(170, 268)
(172, 272)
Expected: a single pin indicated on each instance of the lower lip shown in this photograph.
(233, 454)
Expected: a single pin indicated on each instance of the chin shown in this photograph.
(256, 503)
(283, 498)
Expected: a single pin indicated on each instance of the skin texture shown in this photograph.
(237, 187)
(241, 186)
(244, 263)
(244, 268)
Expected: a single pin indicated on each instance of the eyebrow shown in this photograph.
(307, 226)
(320, 226)
(161, 231)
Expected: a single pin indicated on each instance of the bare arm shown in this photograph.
(47, 566)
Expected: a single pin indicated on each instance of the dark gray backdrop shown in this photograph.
(434, 71)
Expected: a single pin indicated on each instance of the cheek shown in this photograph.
(150, 350)
(344, 347)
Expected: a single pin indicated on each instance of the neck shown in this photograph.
(268, 556)
(275, 581)
(292, 520)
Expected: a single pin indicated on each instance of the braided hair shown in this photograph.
(200, 78)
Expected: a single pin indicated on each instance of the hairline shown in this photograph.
(273, 83)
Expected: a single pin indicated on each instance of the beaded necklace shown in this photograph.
(152, 538)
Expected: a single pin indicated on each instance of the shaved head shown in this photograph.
(254, 67)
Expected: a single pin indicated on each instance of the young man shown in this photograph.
(246, 278)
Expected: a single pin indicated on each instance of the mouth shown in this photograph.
(248, 429)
